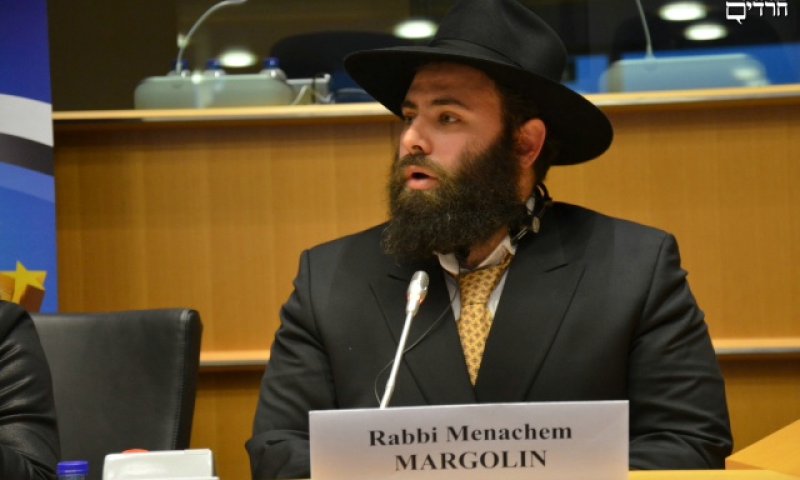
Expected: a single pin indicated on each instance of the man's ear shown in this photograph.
(530, 140)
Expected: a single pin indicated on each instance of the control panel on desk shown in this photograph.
(209, 90)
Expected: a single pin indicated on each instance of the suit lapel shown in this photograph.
(538, 290)
(437, 362)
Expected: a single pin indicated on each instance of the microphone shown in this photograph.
(533, 217)
(648, 41)
(417, 289)
(184, 42)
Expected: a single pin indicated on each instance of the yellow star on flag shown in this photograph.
(23, 286)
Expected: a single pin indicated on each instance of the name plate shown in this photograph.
(562, 440)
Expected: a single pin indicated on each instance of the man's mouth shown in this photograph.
(419, 178)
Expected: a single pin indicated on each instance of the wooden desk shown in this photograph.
(778, 452)
(709, 475)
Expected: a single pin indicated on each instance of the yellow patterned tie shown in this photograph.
(473, 327)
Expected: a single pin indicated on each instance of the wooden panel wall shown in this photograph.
(209, 217)
(214, 215)
(723, 180)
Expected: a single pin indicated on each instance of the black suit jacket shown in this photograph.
(593, 308)
(29, 448)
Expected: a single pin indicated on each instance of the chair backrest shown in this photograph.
(122, 380)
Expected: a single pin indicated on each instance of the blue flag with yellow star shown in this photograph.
(27, 187)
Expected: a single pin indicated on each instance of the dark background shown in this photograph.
(101, 50)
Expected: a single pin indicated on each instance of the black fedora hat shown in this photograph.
(510, 43)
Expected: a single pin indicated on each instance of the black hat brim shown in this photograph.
(582, 130)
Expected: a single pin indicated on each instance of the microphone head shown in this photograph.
(420, 281)
(417, 289)
(421, 277)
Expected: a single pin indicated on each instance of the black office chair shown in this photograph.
(122, 380)
(307, 55)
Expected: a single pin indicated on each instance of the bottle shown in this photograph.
(272, 69)
(72, 470)
(211, 90)
(213, 69)
(184, 70)
(272, 87)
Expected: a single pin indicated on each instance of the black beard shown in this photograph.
(463, 211)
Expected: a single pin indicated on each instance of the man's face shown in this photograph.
(449, 110)
(454, 183)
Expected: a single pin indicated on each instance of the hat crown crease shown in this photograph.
(509, 30)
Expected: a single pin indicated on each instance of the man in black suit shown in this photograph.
(29, 448)
(582, 306)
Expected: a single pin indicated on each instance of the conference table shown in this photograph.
(709, 475)
(706, 475)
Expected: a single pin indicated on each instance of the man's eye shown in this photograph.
(447, 118)
(408, 119)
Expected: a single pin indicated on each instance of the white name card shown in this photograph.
(548, 441)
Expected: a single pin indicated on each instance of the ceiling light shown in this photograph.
(682, 11)
(237, 58)
(705, 31)
(415, 28)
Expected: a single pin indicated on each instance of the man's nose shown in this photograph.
(414, 141)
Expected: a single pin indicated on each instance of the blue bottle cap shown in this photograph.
(213, 64)
(184, 64)
(73, 467)
(272, 62)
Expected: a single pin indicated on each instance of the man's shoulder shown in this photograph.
(358, 254)
(11, 315)
(593, 233)
(569, 215)
(355, 247)
(604, 241)
(371, 237)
